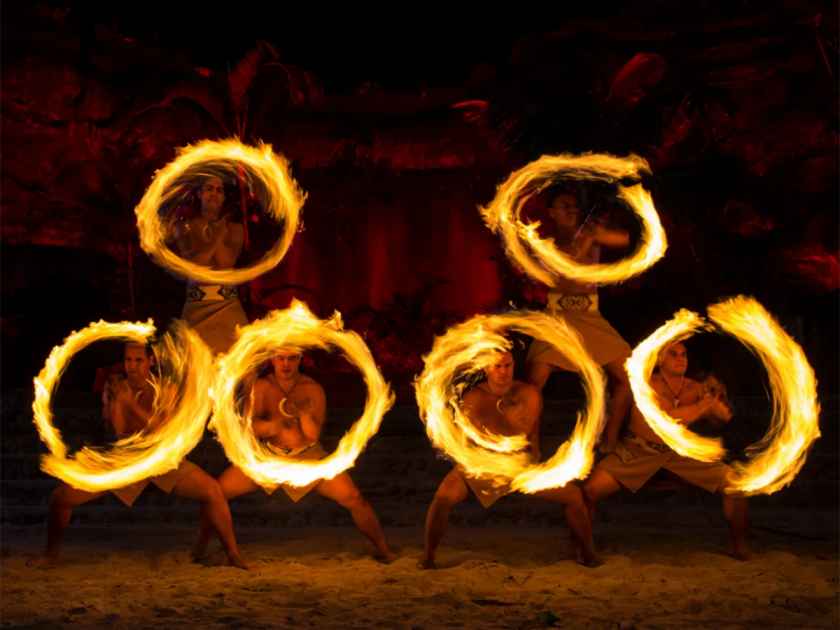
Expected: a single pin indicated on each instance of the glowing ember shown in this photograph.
(294, 327)
(640, 366)
(180, 398)
(271, 171)
(540, 258)
(464, 351)
(776, 459)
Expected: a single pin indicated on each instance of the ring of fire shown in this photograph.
(776, 458)
(466, 349)
(540, 258)
(285, 200)
(143, 454)
(294, 327)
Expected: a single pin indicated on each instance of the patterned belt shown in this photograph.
(560, 302)
(203, 292)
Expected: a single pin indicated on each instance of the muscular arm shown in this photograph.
(701, 407)
(531, 418)
(228, 250)
(313, 413)
(256, 408)
(193, 246)
(126, 415)
(117, 418)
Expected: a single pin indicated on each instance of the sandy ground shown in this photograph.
(663, 569)
(506, 567)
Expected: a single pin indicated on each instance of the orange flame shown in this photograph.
(776, 458)
(146, 453)
(466, 349)
(257, 342)
(285, 200)
(539, 257)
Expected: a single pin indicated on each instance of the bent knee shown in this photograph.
(448, 497)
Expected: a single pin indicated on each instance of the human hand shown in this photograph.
(605, 448)
(721, 410)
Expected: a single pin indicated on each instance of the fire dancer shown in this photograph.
(214, 240)
(288, 410)
(641, 453)
(127, 407)
(577, 304)
(504, 406)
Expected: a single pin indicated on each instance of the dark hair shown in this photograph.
(148, 346)
(563, 191)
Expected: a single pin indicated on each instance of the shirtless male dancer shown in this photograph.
(577, 304)
(127, 407)
(288, 410)
(214, 240)
(504, 406)
(641, 453)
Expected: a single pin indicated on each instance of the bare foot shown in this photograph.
(235, 560)
(740, 552)
(199, 552)
(426, 563)
(587, 558)
(590, 561)
(385, 557)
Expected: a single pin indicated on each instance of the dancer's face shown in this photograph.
(500, 372)
(212, 195)
(674, 360)
(137, 363)
(286, 363)
(564, 211)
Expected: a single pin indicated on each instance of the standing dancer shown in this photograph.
(214, 240)
(577, 304)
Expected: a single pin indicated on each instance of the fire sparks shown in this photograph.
(640, 366)
(464, 351)
(540, 258)
(776, 459)
(794, 426)
(270, 171)
(296, 327)
(180, 398)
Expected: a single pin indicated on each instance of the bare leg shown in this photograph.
(538, 373)
(62, 501)
(577, 517)
(343, 491)
(214, 510)
(620, 400)
(735, 511)
(600, 485)
(451, 491)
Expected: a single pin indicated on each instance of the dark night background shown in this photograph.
(398, 125)
(397, 134)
